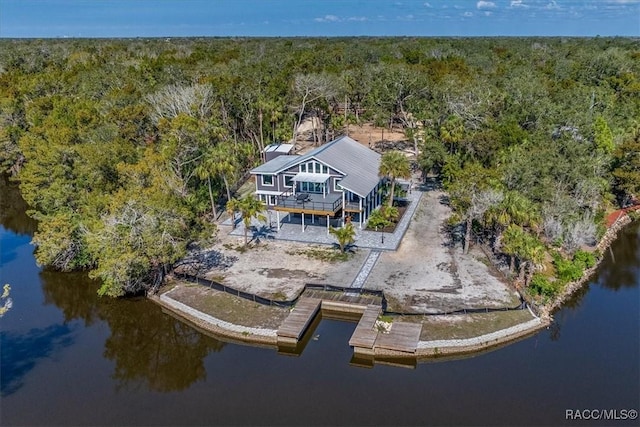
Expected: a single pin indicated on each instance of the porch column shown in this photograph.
(313, 218)
(360, 204)
(327, 224)
(303, 222)
(343, 205)
(278, 220)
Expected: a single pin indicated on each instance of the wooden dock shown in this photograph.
(364, 337)
(345, 297)
(298, 320)
(402, 337)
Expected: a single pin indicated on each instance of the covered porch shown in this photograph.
(310, 206)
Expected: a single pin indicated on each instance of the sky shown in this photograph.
(180, 18)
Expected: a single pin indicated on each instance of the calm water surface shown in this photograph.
(70, 358)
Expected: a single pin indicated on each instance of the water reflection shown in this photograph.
(621, 265)
(73, 293)
(13, 208)
(153, 350)
(21, 352)
(150, 349)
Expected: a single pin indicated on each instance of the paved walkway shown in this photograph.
(366, 268)
(291, 229)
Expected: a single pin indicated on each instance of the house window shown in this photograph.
(303, 167)
(335, 185)
(288, 181)
(317, 167)
(325, 169)
(272, 200)
(267, 180)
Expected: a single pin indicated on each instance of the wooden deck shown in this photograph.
(402, 337)
(299, 319)
(364, 337)
(350, 298)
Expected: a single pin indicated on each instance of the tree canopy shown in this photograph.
(126, 149)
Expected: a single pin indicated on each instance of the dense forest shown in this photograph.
(126, 150)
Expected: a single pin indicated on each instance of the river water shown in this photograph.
(71, 358)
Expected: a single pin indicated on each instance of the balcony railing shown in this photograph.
(303, 202)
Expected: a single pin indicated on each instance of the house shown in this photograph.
(337, 180)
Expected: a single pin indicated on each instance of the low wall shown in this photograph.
(217, 326)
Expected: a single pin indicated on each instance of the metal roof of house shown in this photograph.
(275, 165)
(358, 163)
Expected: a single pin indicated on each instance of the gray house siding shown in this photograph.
(343, 161)
(277, 184)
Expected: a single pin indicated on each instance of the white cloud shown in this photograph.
(552, 5)
(357, 18)
(518, 3)
(485, 4)
(487, 13)
(467, 14)
(427, 4)
(328, 18)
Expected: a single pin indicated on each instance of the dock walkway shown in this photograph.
(365, 340)
(298, 320)
(402, 337)
(364, 336)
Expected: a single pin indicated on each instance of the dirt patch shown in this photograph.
(466, 325)
(283, 273)
(368, 133)
(282, 268)
(228, 307)
(430, 274)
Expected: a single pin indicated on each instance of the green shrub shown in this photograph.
(584, 259)
(566, 270)
(377, 220)
(542, 286)
(390, 213)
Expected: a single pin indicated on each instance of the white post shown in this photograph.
(343, 204)
(327, 224)
(278, 219)
(360, 205)
(303, 222)
(313, 218)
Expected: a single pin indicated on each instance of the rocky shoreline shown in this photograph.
(609, 237)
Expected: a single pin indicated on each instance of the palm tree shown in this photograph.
(205, 171)
(222, 162)
(394, 165)
(527, 248)
(233, 206)
(513, 209)
(249, 207)
(345, 235)
(511, 243)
